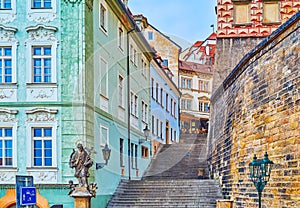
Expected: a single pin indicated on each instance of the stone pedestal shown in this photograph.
(82, 197)
(224, 203)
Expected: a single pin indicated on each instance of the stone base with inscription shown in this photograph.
(82, 197)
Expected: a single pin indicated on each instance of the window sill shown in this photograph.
(121, 107)
(8, 85)
(6, 9)
(271, 23)
(242, 24)
(42, 168)
(103, 30)
(42, 84)
(104, 97)
(8, 169)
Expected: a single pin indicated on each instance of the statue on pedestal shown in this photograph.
(81, 161)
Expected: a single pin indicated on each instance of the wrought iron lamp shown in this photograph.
(260, 171)
(106, 155)
(146, 133)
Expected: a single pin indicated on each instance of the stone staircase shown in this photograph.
(172, 179)
(180, 161)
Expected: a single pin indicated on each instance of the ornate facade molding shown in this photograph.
(8, 115)
(41, 115)
(7, 34)
(41, 33)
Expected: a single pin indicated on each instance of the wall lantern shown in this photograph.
(260, 171)
(106, 155)
(146, 133)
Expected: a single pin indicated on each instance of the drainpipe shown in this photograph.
(128, 105)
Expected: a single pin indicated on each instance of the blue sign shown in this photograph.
(22, 181)
(28, 196)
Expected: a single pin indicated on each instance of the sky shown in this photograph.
(187, 20)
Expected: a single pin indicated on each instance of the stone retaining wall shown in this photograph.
(257, 109)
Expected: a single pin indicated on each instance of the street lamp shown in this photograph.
(106, 155)
(146, 133)
(260, 171)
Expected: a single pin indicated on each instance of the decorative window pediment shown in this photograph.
(8, 115)
(41, 115)
(41, 33)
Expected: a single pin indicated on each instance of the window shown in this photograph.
(165, 62)
(6, 146)
(161, 96)
(152, 88)
(41, 59)
(104, 139)
(39, 4)
(157, 88)
(171, 104)
(136, 156)
(174, 109)
(5, 4)
(167, 101)
(103, 77)
(5, 64)
(157, 127)
(145, 152)
(174, 135)
(103, 17)
(204, 107)
(121, 38)
(144, 68)
(161, 128)
(134, 150)
(203, 85)
(144, 112)
(42, 146)
(121, 152)
(153, 125)
(150, 35)
(40, 55)
(186, 83)
(241, 13)
(271, 13)
(186, 104)
(121, 91)
(134, 104)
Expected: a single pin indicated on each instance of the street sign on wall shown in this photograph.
(27, 196)
(22, 181)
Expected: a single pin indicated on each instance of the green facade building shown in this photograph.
(64, 78)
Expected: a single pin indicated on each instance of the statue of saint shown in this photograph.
(81, 161)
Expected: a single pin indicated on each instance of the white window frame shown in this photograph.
(44, 39)
(121, 37)
(105, 94)
(42, 57)
(14, 127)
(144, 111)
(104, 27)
(102, 141)
(43, 148)
(121, 94)
(5, 41)
(29, 138)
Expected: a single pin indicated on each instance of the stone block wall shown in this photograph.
(257, 109)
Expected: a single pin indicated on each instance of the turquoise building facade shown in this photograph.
(64, 81)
